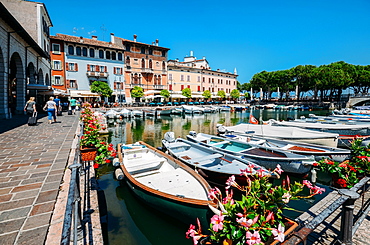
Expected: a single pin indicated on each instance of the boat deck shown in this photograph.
(176, 182)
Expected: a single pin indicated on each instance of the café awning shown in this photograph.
(82, 93)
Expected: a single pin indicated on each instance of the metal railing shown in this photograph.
(349, 221)
(78, 228)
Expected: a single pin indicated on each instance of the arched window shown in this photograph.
(92, 52)
(71, 50)
(107, 55)
(142, 63)
(163, 65)
(113, 55)
(84, 51)
(159, 80)
(78, 51)
(101, 54)
(119, 56)
(150, 64)
(127, 60)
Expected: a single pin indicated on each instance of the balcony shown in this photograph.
(158, 87)
(97, 74)
(146, 70)
(131, 85)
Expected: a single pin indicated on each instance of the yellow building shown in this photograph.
(197, 75)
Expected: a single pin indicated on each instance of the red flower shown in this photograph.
(315, 164)
(342, 183)
(96, 165)
(107, 161)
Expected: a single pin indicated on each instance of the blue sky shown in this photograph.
(250, 36)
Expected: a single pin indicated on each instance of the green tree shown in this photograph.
(207, 94)
(222, 94)
(165, 93)
(186, 92)
(137, 92)
(235, 94)
(101, 88)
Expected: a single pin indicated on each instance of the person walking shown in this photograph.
(57, 102)
(51, 108)
(72, 104)
(30, 106)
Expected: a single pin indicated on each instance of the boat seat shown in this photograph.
(205, 158)
(142, 166)
(220, 143)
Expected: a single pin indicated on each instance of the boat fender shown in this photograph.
(202, 173)
(119, 174)
(116, 162)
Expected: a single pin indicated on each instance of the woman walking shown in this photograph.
(51, 108)
(30, 107)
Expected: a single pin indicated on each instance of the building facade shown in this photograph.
(77, 62)
(24, 54)
(197, 75)
(145, 66)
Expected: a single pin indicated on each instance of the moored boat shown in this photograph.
(215, 166)
(265, 156)
(284, 133)
(318, 151)
(164, 182)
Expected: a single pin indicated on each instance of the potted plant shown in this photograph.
(257, 218)
(349, 172)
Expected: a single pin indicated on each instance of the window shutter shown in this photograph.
(88, 67)
(76, 67)
(115, 85)
(52, 80)
(121, 71)
(105, 69)
(68, 84)
(61, 80)
(114, 70)
(67, 66)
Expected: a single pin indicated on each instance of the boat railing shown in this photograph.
(349, 223)
(77, 224)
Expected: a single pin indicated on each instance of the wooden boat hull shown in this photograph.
(180, 207)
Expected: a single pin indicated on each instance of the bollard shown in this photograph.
(347, 216)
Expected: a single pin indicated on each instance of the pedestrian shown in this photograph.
(57, 102)
(72, 104)
(51, 108)
(30, 106)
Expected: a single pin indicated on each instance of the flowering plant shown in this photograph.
(258, 215)
(348, 171)
(90, 137)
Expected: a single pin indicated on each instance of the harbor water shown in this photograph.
(125, 219)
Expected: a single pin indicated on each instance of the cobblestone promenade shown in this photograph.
(32, 163)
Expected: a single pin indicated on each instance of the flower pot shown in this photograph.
(338, 182)
(88, 154)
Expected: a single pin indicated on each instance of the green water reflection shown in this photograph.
(132, 222)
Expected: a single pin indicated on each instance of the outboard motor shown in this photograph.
(221, 129)
(169, 137)
(193, 133)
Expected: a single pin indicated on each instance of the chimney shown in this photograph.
(81, 39)
(191, 53)
(94, 37)
(156, 42)
(112, 37)
(135, 36)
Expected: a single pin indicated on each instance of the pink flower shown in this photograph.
(228, 198)
(216, 220)
(253, 238)
(278, 169)
(192, 233)
(286, 197)
(317, 190)
(246, 223)
(279, 233)
(307, 183)
(212, 194)
(230, 182)
(270, 216)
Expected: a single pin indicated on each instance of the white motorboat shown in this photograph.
(266, 156)
(284, 133)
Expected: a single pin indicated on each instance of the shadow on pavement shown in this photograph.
(16, 121)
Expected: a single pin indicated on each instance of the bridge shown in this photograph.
(357, 100)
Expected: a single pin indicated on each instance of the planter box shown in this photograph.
(88, 154)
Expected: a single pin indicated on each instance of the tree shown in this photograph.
(207, 94)
(222, 94)
(165, 93)
(235, 94)
(101, 88)
(186, 92)
(137, 92)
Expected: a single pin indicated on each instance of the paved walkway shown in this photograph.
(32, 163)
